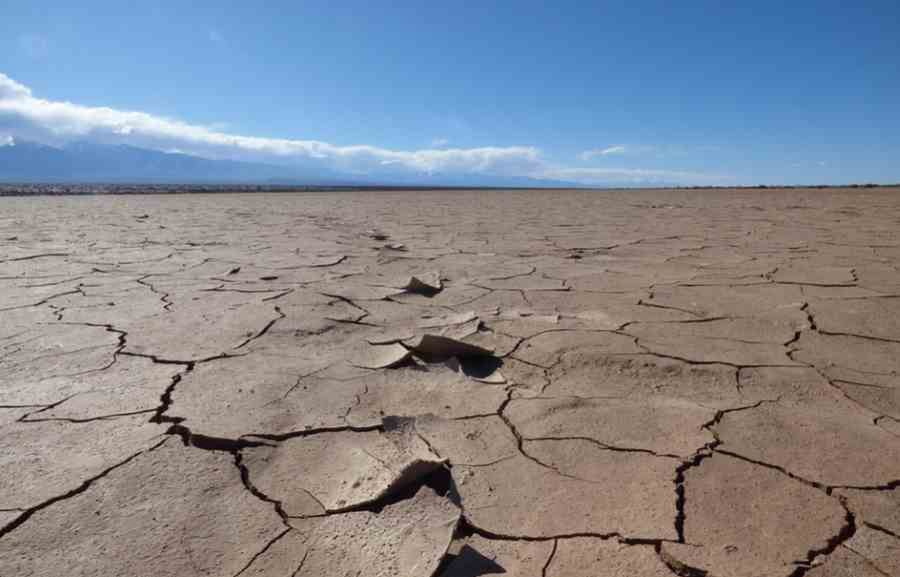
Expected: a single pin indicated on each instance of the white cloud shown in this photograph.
(641, 176)
(59, 121)
(65, 119)
(595, 152)
(7, 141)
(439, 142)
(10, 89)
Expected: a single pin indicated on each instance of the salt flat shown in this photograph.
(453, 383)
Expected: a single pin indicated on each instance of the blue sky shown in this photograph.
(592, 92)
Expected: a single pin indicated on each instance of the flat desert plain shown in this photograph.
(451, 383)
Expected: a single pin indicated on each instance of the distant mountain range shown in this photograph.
(84, 162)
(89, 162)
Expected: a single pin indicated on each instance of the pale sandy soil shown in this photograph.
(451, 383)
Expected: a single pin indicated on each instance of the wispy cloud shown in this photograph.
(23, 114)
(653, 151)
(639, 176)
(439, 142)
(7, 141)
(599, 152)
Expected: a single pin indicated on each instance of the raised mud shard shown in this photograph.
(425, 284)
(408, 538)
(331, 472)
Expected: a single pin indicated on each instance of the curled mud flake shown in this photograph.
(331, 472)
(425, 284)
(381, 356)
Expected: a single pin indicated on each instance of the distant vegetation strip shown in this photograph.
(56, 189)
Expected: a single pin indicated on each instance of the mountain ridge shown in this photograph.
(23, 161)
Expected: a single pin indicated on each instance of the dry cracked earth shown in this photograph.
(642, 383)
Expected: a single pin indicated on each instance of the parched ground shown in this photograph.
(551, 384)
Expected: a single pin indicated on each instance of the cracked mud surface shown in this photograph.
(456, 383)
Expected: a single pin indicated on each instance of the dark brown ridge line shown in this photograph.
(550, 557)
(54, 283)
(643, 303)
(438, 479)
(693, 362)
(520, 442)
(222, 289)
(46, 407)
(109, 417)
(43, 301)
(852, 284)
(279, 295)
(889, 486)
(163, 296)
(861, 384)
(25, 406)
(121, 335)
(128, 262)
(278, 437)
(844, 535)
(685, 322)
(697, 458)
(512, 276)
(358, 322)
(604, 446)
(34, 256)
(833, 384)
(868, 562)
(469, 528)
(348, 301)
(815, 484)
(165, 399)
(677, 567)
(262, 551)
(209, 443)
(809, 317)
(248, 484)
(264, 330)
(858, 336)
(164, 361)
(884, 530)
(680, 497)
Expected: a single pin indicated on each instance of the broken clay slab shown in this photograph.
(477, 555)
(381, 356)
(408, 538)
(51, 458)
(181, 510)
(331, 472)
(744, 520)
(437, 347)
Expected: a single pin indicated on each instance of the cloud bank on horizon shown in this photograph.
(29, 117)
